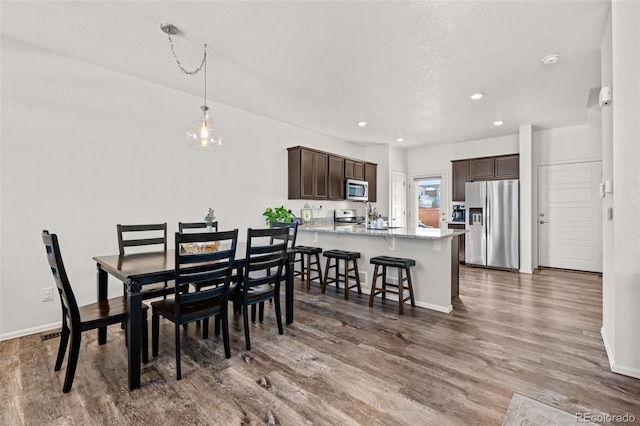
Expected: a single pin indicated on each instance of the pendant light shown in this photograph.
(203, 133)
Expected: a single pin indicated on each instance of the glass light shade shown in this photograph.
(203, 134)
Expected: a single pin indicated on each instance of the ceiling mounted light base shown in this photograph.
(169, 29)
(551, 59)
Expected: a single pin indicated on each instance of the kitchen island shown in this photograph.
(435, 250)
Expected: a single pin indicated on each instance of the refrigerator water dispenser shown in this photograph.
(475, 216)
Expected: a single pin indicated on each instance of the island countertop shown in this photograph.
(420, 233)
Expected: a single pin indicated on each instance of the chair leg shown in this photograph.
(205, 328)
(64, 340)
(145, 338)
(346, 278)
(410, 284)
(245, 314)
(372, 295)
(278, 313)
(155, 331)
(400, 293)
(225, 333)
(253, 313)
(326, 275)
(357, 274)
(384, 282)
(261, 311)
(72, 361)
(217, 325)
(178, 366)
(308, 277)
(319, 269)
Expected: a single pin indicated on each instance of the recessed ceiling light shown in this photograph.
(362, 123)
(498, 123)
(399, 139)
(477, 96)
(550, 59)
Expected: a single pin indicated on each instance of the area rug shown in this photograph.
(525, 411)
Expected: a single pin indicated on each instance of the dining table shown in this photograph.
(140, 269)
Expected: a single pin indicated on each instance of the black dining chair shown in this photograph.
(146, 236)
(212, 301)
(76, 319)
(262, 273)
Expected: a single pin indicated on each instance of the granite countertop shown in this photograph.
(422, 233)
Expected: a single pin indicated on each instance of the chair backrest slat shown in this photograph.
(159, 237)
(200, 268)
(293, 231)
(182, 226)
(267, 258)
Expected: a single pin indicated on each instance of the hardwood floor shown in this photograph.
(344, 363)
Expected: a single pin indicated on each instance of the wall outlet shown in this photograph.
(46, 294)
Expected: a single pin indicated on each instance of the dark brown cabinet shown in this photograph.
(371, 176)
(460, 177)
(461, 247)
(318, 175)
(480, 169)
(336, 178)
(507, 167)
(308, 174)
(353, 169)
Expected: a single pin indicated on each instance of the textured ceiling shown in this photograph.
(407, 68)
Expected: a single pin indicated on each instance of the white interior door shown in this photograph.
(569, 217)
(398, 200)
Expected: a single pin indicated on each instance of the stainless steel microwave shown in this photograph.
(356, 190)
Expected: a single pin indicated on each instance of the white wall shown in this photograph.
(623, 347)
(608, 246)
(84, 148)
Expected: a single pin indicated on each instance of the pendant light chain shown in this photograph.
(184, 70)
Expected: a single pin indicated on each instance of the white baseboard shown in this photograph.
(31, 330)
(617, 368)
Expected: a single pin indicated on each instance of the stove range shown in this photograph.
(347, 217)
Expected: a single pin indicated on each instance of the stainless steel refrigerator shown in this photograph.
(492, 219)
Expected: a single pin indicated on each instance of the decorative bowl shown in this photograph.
(197, 248)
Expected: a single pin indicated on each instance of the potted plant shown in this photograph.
(279, 214)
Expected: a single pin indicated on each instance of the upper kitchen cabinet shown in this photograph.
(460, 177)
(371, 176)
(336, 177)
(481, 168)
(507, 167)
(353, 169)
(318, 175)
(308, 174)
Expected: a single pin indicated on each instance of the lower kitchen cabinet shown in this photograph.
(460, 240)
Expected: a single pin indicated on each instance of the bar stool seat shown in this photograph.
(402, 264)
(346, 257)
(305, 271)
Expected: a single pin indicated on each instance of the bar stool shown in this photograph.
(310, 266)
(392, 262)
(347, 256)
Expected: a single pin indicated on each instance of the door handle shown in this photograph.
(542, 222)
